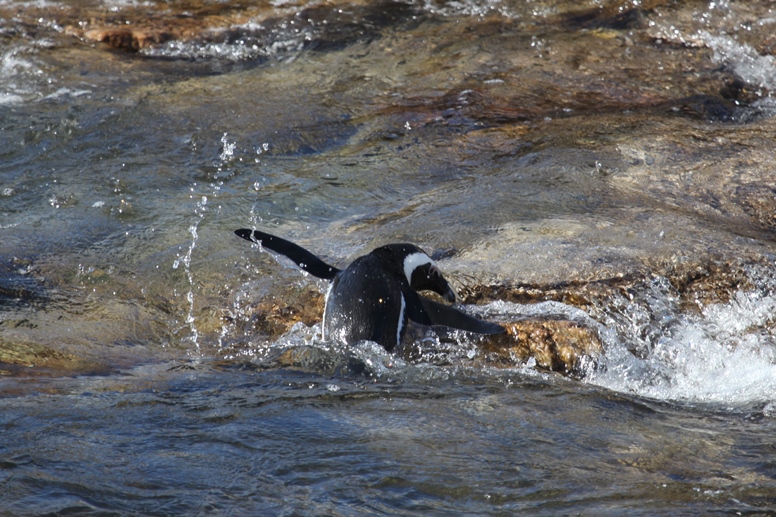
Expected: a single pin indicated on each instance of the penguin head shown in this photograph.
(414, 264)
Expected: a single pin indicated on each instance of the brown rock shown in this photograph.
(274, 317)
(558, 345)
(131, 40)
(33, 359)
(759, 201)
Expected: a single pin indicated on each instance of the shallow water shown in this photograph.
(287, 443)
(615, 160)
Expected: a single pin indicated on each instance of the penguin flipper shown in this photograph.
(300, 256)
(429, 312)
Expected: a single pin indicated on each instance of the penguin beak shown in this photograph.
(449, 295)
(428, 278)
(440, 286)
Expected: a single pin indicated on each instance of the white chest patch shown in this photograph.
(400, 326)
(414, 261)
(325, 306)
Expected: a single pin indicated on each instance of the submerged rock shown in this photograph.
(274, 317)
(33, 359)
(599, 156)
(314, 27)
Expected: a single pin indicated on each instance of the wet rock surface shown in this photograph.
(32, 359)
(579, 153)
(272, 318)
(556, 345)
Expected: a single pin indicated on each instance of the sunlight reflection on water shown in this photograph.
(529, 145)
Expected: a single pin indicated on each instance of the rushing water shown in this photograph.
(606, 163)
(282, 443)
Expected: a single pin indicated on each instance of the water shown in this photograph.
(608, 165)
(209, 439)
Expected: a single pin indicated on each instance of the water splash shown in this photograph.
(726, 355)
(227, 149)
(744, 60)
(723, 355)
(18, 73)
(200, 210)
(476, 8)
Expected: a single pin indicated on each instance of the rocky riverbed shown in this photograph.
(596, 176)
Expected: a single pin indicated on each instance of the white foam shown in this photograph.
(478, 8)
(744, 60)
(67, 93)
(242, 50)
(326, 306)
(724, 356)
(10, 98)
(15, 69)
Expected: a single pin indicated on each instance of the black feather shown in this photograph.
(438, 314)
(300, 256)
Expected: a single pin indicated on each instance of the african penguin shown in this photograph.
(373, 297)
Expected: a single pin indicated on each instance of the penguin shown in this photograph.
(375, 296)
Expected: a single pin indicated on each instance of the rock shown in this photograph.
(33, 359)
(759, 202)
(274, 317)
(558, 345)
(319, 27)
(131, 40)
